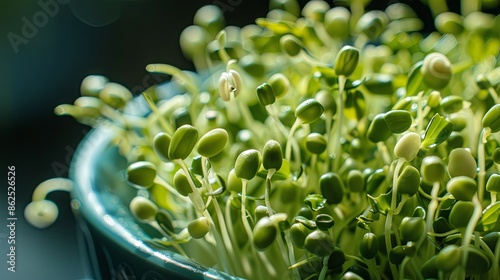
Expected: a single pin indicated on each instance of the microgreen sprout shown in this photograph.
(332, 142)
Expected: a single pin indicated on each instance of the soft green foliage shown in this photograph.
(389, 167)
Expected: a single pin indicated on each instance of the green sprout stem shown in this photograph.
(390, 214)
(372, 267)
(485, 133)
(337, 150)
(163, 123)
(290, 141)
(324, 269)
(174, 72)
(50, 185)
(220, 217)
(248, 229)
(431, 211)
(199, 205)
(469, 231)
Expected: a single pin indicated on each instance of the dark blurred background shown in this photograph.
(70, 39)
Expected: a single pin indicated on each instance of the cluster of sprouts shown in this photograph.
(328, 142)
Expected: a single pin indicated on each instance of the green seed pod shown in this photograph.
(349, 275)
(337, 259)
(41, 213)
(141, 174)
(430, 268)
(412, 228)
(336, 22)
(452, 104)
(458, 120)
(272, 155)
(449, 258)
(379, 129)
(319, 243)
(355, 181)
(356, 270)
(264, 233)
(495, 156)
(346, 61)
(198, 228)
(183, 142)
(324, 221)
(368, 246)
(309, 111)
(436, 70)
(372, 23)
(211, 18)
(298, 234)
(400, 11)
(408, 181)
(331, 187)
(280, 84)
(212, 142)
(432, 169)
(461, 213)
(398, 121)
(316, 143)
(291, 45)
(260, 212)
(115, 95)
(326, 99)
(491, 239)
(161, 143)
(408, 146)
(143, 209)
(461, 163)
(306, 212)
(462, 187)
(379, 83)
(181, 183)
(291, 6)
(434, 99)
(492, 118)
(477, 261)
(265, 94)
(449, 22)
(247, 164)
(482, 82)
(233, 183)
(193, 41)
(315, 10)
(455, 141)
(397, 255)
(493, 184)
(92, 85)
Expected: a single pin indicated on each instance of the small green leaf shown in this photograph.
(415, 80)
(381, 203)
(398, 121)
(276, 26)
(489, 218)
(437, 131)
(315, 201)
